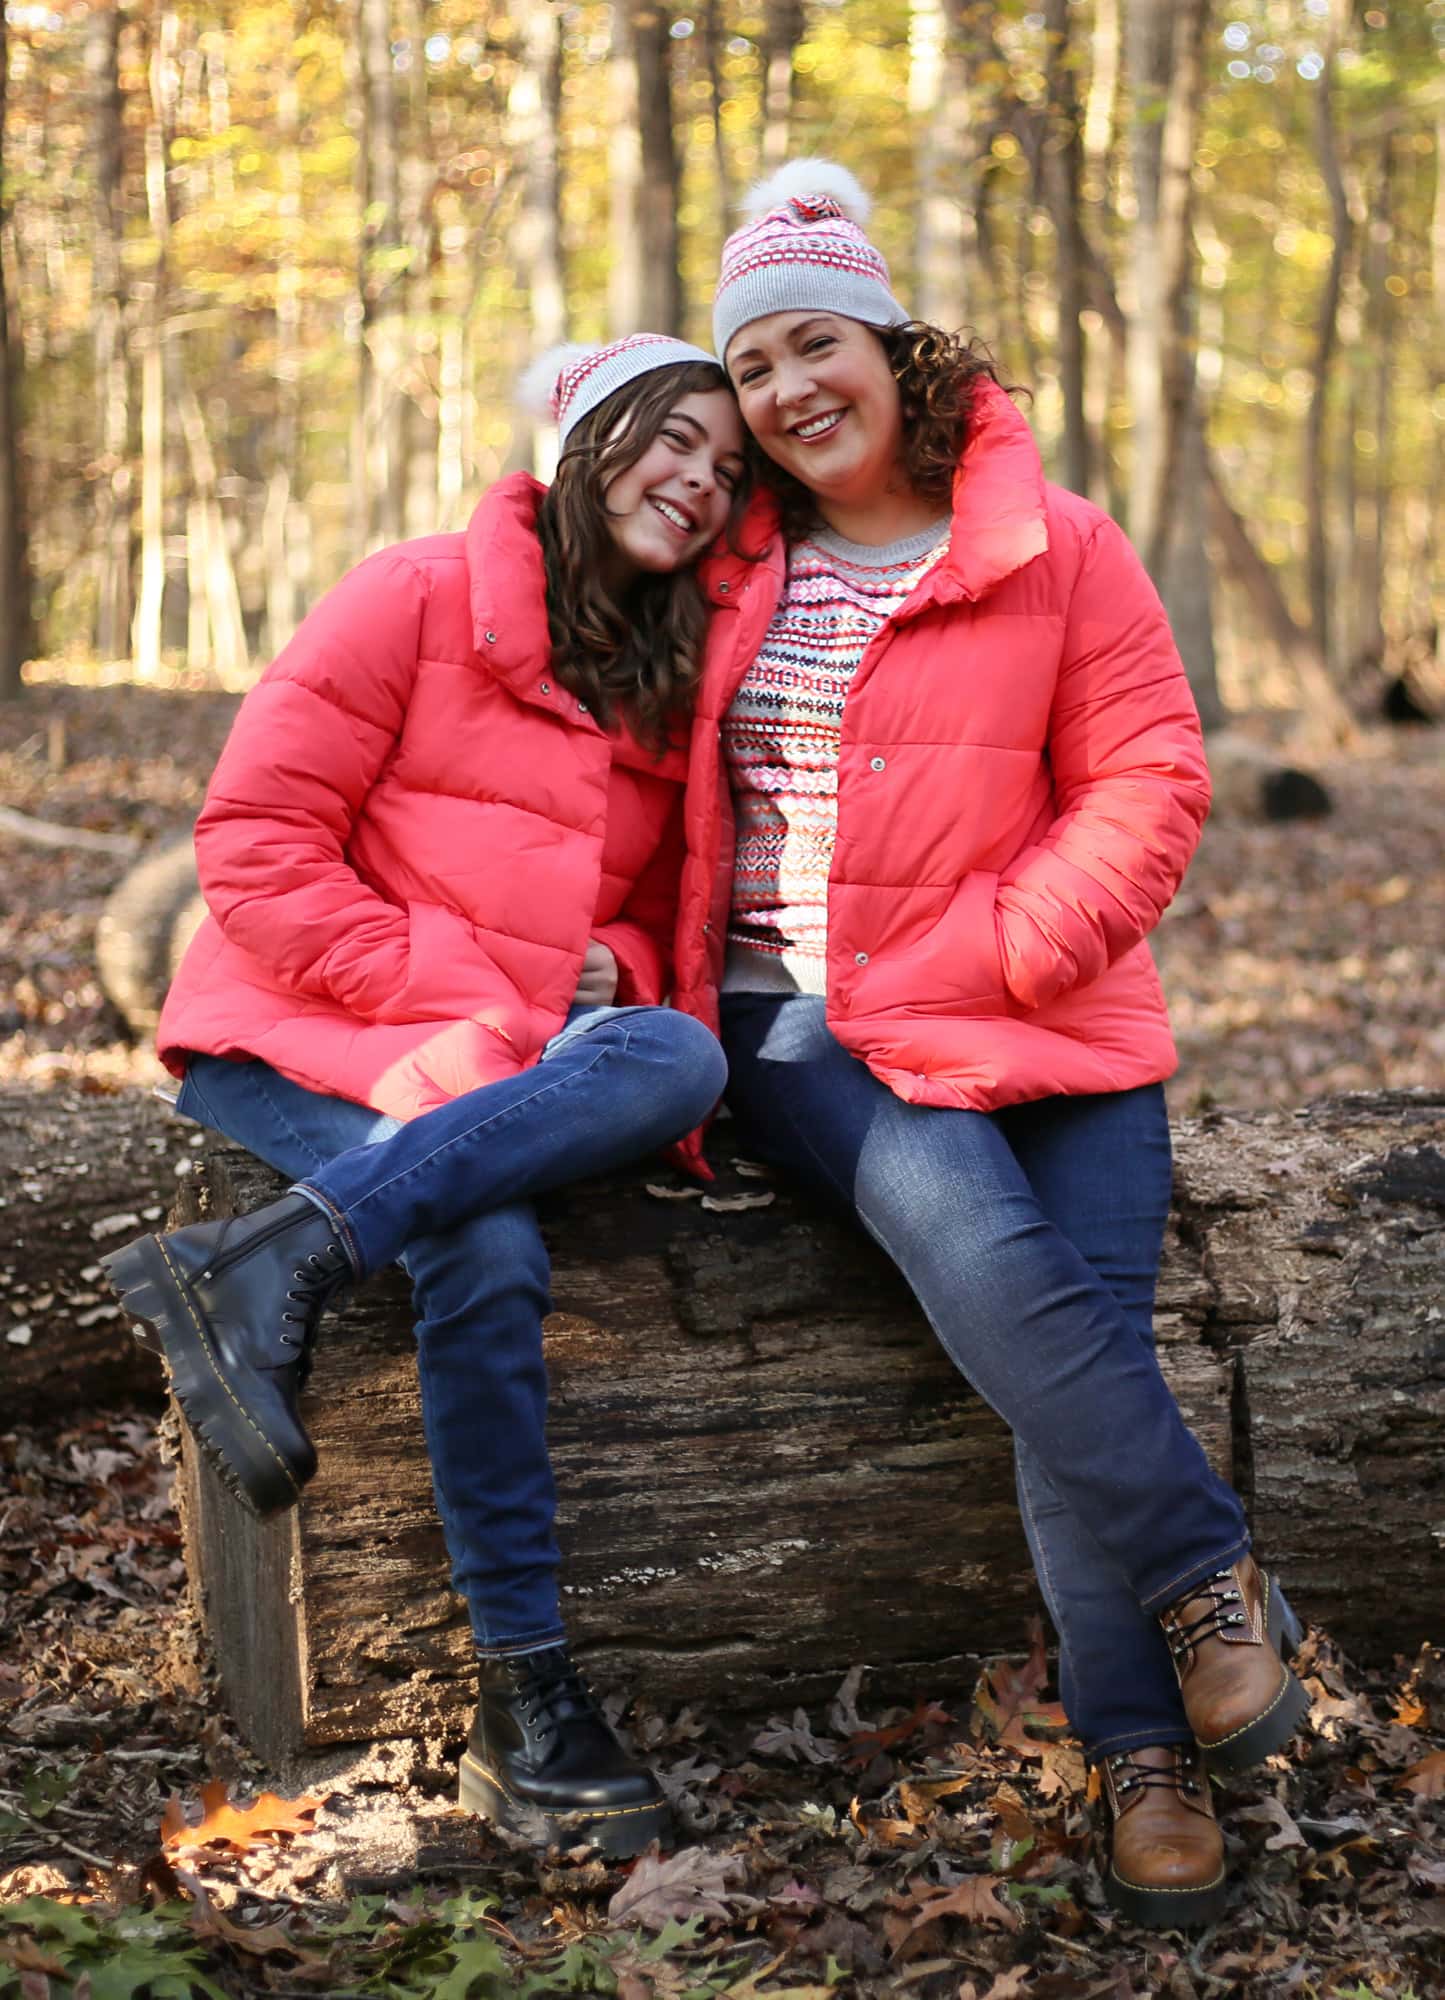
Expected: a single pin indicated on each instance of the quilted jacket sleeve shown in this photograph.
(640, 935)
(1130, 780)
(306, 747)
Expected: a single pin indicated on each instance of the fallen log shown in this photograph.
(82, 1172)
(769, 1472)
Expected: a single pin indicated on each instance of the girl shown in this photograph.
(440, 852)
(947, 747)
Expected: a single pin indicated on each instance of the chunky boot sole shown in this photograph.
(1166, 1909)
(155, 1296)
(1274, 1726)
(620, 1831)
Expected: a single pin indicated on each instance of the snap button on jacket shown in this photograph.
(1046, 788)
(412, 834)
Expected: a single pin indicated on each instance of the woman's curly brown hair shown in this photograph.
(636, 658)
(935, 372)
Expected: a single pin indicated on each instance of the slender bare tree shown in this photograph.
(16, 634)
(112, 362)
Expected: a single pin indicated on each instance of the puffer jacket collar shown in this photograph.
(998, 501)
(506, 587)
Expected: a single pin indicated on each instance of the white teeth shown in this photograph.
(673, 514)
(817, 426)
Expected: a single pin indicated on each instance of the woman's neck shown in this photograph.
(881, 518)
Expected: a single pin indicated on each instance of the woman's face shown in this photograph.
(819, 396)
(668, 508)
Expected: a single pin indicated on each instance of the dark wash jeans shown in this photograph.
(447, 1195)
(1031, 1238)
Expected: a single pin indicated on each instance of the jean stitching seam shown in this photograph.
(1195, 1572)
(521, 1105)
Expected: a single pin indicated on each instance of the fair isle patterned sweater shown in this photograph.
(781, 740)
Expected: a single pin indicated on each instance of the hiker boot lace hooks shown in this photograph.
(1166, 1862)
(1229, 1638)
(233, 1308)
(542, 1761)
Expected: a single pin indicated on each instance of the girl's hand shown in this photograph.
(598, 983)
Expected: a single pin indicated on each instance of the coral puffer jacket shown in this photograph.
(1021, 784)
(413, 832)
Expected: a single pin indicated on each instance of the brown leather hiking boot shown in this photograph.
(1226, 1638)
(1166, 1868)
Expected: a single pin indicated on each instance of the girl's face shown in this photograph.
(669, 507)
(817, 393)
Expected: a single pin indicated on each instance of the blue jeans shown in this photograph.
(1031, 1239)
(448, 1195)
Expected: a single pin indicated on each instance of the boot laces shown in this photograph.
(1211, 1623)
(553, 1689)
(313, 1284)
(1132, 1776)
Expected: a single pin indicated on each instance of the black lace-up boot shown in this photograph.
(542, 1761)
(233, 1307)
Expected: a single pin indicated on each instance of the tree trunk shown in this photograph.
(284, 548)
(645, 285)
(1316, 469)
(147, 626)
(752, 1429)
(16, 633)
(1324, 712)
(219, 612)
(714, 32)
(783, 24)
(381, 464)
(1372, 370)
(534, 121)
(112, 366)
(937, 103)
(1063, 158)
(1187, 580)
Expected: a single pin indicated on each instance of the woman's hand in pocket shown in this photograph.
(598, 985)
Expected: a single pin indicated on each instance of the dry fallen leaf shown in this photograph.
(729, 1204)
(691, 1882)
(1425, 1779)
(239, 1828)
(973, 1899)
(661, 1193)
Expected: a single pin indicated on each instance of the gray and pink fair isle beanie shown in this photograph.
(802, 249)
(566, 382)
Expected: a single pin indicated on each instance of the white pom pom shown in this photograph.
(808, 177)
(537, 382)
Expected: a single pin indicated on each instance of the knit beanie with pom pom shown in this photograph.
(566, 382)
(802, 248)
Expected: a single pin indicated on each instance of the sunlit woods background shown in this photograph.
(271, 267)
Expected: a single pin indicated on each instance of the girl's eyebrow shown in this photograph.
(682, 417)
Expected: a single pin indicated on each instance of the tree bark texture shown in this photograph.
(16, 635)
(645, 284)
(81, 1174)
(112, 366)
(768, 1470)
(1165, 46)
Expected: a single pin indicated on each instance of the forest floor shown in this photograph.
(944, 1851)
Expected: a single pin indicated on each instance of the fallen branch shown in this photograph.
(45, 833)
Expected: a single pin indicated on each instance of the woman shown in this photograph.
(440, 852)
(946, 743)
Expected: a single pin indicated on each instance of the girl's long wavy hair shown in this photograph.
(634, 659)
(936, 373)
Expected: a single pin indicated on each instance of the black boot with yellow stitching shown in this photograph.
(233, 1307)
(542, 1762)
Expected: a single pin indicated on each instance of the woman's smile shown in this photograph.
(817, 392)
